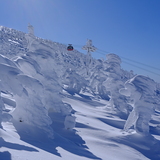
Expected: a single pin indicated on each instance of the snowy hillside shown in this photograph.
(59, 104)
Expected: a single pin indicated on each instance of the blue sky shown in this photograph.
(128, 28)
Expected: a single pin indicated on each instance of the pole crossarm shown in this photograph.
(89, 47)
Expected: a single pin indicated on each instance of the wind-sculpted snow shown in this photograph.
(35, 71)
(12, 42)
(26, 92)
(97, 79)
(74, 82)
(144, 99)
(83, 104)
(55, 68)
(35, 93)
(34, 98)
(114, 81)
(49, 94)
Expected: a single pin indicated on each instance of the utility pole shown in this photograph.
(30, 30)
(90, 48)
(30, 37)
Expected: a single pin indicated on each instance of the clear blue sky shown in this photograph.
(128, 28)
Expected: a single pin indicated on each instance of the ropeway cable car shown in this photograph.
(70, 47)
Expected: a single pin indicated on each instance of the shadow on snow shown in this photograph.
(147, 145)
(5, 155)
(15, 146)
(66, 139)
(69, 139)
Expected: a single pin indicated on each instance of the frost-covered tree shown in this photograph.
(97, 78)
(73, 82)
(30, 108)
(114, 82)
(12, 42)
(41, 66)
(26, 91)
(144, 99)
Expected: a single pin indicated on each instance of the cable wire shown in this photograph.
(134, 61)
(141, 68)
(134, 64)
(104, 53)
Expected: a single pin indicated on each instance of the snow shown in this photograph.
(69, 122)
(13, 41)
(143, 92)
(56, 104)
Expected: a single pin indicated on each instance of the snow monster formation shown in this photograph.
(114, 81)
(35, 72)
(28, 76)
(144, 100)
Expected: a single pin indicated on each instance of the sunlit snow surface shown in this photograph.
(98, 135)
(56, 104)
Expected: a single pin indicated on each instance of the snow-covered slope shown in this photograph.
(59, 104)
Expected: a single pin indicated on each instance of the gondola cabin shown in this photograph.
(70, 47)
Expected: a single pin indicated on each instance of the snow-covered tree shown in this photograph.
(26, 91)
(41, 66)
(114, 82)
(97, 78)
(73, 82)
(35, 71)
(144, 99)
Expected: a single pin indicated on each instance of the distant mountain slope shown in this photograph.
(46, 91)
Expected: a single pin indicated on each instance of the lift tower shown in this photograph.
(90, 48)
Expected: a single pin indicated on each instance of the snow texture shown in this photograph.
(67, 105)
(144, 99)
